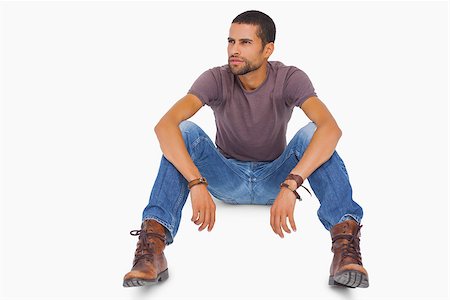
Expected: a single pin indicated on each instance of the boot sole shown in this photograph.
(142, 282)
(352, 279)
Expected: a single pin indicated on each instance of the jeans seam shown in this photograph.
(195, 143)
(273, 171)
(342, 165)
(208, 142)
(220, 196)
(325, 170)
(179, 201)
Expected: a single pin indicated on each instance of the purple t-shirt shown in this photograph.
(251, 125)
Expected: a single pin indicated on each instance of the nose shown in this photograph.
(233, 49)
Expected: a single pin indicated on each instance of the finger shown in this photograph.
(206, 222)
(277, 225)
(201, 218)
(197, 219)
(213, 220)
(194, 214)
(272, 220)
(284, 225)
(292, 222)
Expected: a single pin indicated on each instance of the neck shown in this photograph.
(254, 79)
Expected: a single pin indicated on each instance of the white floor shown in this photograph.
(85, 257)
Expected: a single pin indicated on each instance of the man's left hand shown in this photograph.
(282, 208)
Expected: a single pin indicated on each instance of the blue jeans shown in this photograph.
(245, 182)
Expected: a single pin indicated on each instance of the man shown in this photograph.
(252, 99)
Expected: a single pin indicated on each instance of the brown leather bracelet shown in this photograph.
(297, 196)
(201, 180)
(298, 179)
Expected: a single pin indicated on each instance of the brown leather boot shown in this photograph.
(149, 264)
(347, 268)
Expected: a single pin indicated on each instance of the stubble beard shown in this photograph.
(246, 68)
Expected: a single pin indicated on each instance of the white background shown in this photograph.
(84, 83)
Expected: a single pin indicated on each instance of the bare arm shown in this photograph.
(173, 147)
(324, 139)
(170, 138)
(319, 150)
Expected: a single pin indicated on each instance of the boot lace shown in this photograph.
(145, 249)
(351, 249)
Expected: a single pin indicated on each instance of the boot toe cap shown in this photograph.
(353, 267)
(148, 274)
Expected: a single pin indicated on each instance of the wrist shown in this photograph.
(198, 187)
(297, 179)
(197, 181)
(292, 183)
(286, 186)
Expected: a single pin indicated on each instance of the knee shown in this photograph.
(190, 130)
(304, 135)
(195, 139)
(188, 127)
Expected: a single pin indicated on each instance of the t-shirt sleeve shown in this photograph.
(298, 88)
(206, 88)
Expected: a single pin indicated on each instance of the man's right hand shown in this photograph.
(203, 207)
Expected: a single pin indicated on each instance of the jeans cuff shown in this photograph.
(350, 217)
(169, 239)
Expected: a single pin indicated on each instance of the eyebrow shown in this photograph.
(242, 40)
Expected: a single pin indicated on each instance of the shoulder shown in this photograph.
(221, 71)
(219, 74)
(279, 66)
(214, 74)
(287, 72)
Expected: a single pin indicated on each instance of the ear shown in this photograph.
(268, 49)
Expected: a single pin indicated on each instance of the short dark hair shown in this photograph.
(266, 25)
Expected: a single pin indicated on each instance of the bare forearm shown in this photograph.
(320, 149)
(174, 149)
